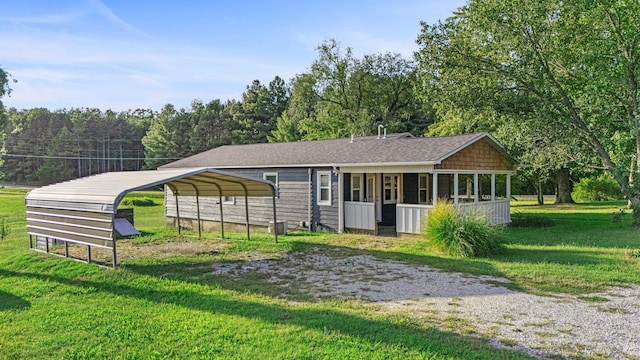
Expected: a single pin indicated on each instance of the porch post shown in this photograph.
(493, 187)
(456, 193)
(435, 188)
(509, 187)
(475, 188)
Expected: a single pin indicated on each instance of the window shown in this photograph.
(324, 187)
(229, 200)
(356, 187)
(390, 189)
(423, 189)
(273, 177)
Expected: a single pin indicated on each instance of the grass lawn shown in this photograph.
(158, 305)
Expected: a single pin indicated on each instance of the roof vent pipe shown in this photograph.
(385, 133)
(379, 127)
(351, 137)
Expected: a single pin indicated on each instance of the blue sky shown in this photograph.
(131, 54)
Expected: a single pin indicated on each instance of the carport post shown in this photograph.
(246, 208)
(198, 211)
(275, 220)
(113, 249)
(178, 213)
(221, 217)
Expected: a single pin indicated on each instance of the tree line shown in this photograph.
(555, 82)
(339, 96)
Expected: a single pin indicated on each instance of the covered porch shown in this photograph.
(398, 202)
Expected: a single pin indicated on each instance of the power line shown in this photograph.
(83, 157)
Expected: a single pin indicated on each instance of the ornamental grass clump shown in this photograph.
(463, 235)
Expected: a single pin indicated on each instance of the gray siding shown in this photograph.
(325, 216)
(292, 204)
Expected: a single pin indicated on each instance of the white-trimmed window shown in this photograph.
(390, 189)
(231, 200)
(356, 187)
(324, 187)
(271, 176)
(423, 189)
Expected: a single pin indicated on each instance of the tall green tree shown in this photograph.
(5, 90)
(343, 95)
(577, 61)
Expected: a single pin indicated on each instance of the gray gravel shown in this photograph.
(542, 326)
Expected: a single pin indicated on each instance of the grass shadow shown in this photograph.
(9, 301)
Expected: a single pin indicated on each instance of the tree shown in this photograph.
(5, 89)
(344, 95)
(577, 61)
(158, 141)
(255, 116)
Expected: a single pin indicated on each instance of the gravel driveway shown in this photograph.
(542, 326)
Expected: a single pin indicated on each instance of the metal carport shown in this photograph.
(82, 211)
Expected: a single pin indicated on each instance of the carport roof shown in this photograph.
(103, 192)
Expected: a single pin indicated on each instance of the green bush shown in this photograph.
(138, 202)
(601, 188)
(461, 235)
(519, 221)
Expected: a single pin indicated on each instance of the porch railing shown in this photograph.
(411, 218)
(359, 215)
(497, 211)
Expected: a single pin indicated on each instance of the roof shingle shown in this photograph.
(395, 149)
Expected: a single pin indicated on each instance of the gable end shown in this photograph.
(481, 155)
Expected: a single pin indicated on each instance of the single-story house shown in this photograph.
(375, 184)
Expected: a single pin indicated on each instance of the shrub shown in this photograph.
(138, 202)
(600, 188)
(519, 221)
(461, 235)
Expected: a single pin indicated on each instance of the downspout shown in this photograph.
(310, 215)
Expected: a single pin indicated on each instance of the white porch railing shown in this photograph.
(411, 218)
(498, 212)
(359, 215)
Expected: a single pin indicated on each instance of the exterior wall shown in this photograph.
(291, 205)
(480, 155)
(325, 216)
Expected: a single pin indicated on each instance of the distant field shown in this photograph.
(164, 303)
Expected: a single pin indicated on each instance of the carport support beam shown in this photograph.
(114, 237)
(221, 212)
(275, 220)
(198, 211)
(246, 213)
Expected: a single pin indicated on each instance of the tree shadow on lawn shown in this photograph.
(393, 333)
(9, 301)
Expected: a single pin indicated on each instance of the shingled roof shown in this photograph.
(395, 149)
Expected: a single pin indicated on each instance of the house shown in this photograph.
(375, 184)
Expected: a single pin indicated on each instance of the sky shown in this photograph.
(129, 54)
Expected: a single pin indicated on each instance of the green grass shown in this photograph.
(169, 305)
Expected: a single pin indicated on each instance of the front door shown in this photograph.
(374, 194)
(390, 195)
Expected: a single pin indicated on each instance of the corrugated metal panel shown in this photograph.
(85, 227)
(103, 192)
